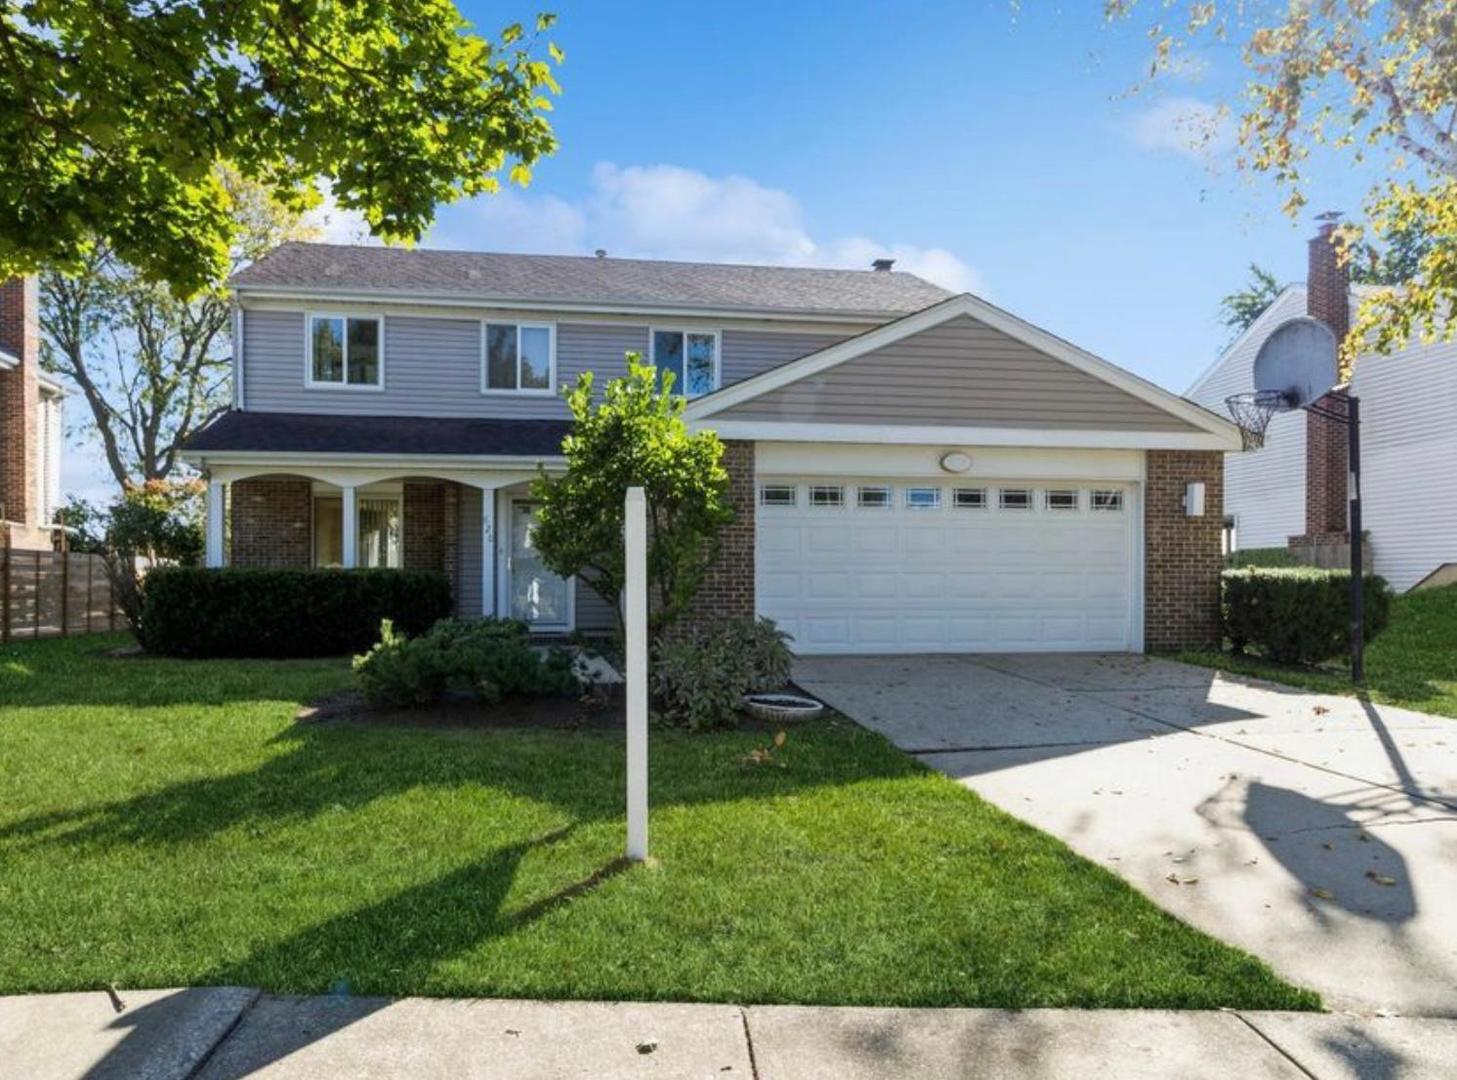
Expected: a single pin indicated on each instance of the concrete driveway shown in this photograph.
(1319, 833)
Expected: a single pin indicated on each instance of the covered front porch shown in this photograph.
(472, 525)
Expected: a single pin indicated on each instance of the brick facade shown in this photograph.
(1182, 556)
(272, 519)
(424, 525)
(728, 588)
(20, 487)
(1327, 291)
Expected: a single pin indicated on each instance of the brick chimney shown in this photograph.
(1327, 298)
(20, 400)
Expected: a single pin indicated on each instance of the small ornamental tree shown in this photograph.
(634, 436)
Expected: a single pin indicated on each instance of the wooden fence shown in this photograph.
(51, 593)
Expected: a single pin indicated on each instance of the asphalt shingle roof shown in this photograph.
(322, 434)
(332, 268)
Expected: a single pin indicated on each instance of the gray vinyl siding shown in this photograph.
(432, 365)
(468, 553)
(961, 372)
(594, 615)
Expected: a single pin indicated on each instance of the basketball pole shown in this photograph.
(1358, 569)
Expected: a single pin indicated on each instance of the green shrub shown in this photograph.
(700, 683)
(1298, 615)
(191, 611)
(485, 657)
(1271, 556)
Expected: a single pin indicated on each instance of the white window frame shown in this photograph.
(839, 497)
(1047, 503)
(793, 490)
(906, 497)
(310, 382)
(518, 390)
(360, 494)
(1002, 500)
(957, 504)
(860, 503)
(1120, 500)
(702, 331)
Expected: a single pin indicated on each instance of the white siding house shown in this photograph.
(1408, 452)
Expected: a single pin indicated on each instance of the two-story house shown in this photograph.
(913, 471)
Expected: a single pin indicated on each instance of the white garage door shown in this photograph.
(865, 566)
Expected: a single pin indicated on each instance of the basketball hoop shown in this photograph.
(1253, 411)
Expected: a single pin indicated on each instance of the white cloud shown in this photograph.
(669, 212)
(1185, 125)
(333, 224)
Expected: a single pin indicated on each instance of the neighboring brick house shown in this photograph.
(30, 424)
(913, 470)
(1292, 493)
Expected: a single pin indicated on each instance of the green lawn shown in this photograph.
(166, 823)
(1412, 664)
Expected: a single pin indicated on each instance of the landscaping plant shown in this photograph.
(488, 658)
(634, 436)
(1298, 614)
(699, 682)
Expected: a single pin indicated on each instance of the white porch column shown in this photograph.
(350, 526)
(216, 493)
(488, 552)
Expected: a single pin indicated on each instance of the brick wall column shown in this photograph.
(424, 527)
(272, 518)
(1182, 557)
(20, 402)
(1327, 292)
(728, 587)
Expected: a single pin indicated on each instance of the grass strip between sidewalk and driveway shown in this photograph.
(1412, 664)
(166, 823)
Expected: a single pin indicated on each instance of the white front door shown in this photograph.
(894, 565)
(539, 598)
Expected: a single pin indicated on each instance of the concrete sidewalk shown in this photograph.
(225, 1033)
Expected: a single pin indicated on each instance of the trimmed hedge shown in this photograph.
(191, 611)
(1271, 556)
(1298, 614)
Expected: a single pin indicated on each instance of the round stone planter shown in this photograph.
(782, 708)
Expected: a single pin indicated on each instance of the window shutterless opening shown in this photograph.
(873, 498)
(344, 351)
(1014, 499)
(518, 358)
(923, 498)
(1060, 499)
(826, 495)
(970, 499)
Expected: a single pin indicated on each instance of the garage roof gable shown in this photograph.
(962, 366)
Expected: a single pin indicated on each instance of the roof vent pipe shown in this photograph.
(882, 264)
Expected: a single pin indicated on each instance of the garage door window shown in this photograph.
(923, 498)
(1015, 498)
(826, 495)
(1108, 500)
(970, 499)
(873, 498)
(1060, 499)
(777, 495)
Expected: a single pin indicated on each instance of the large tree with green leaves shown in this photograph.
(1239, 309)
(116, 114)
(152, 368)
(1360, 78)
(634, 436)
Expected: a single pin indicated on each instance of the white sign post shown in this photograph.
(635, 536)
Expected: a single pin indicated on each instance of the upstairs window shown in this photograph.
(692, 357)
(344, 350)
(518, 358)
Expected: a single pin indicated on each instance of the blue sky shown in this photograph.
(995, 147)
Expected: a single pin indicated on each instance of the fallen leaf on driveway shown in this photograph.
(1177, 880)
(1321, 710)
(1324, 894)
(1380, 879)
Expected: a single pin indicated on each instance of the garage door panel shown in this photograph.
(847, 579)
